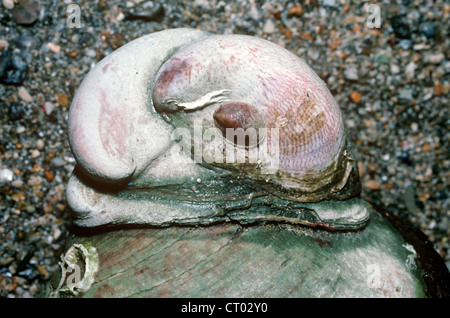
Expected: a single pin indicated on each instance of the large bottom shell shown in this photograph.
(229, 260)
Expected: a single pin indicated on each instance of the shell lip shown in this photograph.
(352, 187)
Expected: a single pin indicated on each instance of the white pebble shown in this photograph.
(410, 70)
(56, 233)
(35, 153)
(20, 129)
(17, 183)
(351, 73)
(395, 69)
(6, 175)
(9, 4)
(436, 58)
(24, 95)
(40, 144)
(48, 107)
(269, 27)
(3, 43)
(55, 48)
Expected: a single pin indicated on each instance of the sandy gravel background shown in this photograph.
(392, 84)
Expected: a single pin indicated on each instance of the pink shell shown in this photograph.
(286, 91)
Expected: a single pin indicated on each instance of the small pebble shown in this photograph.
(436, 58)
(395, 69)
(351, 73)
(405, 158)
(382, 59)
(57, 233)
(27, 11)
(429, 29)
(6, 176)
(145, 11)
(13, 68)
(355, 97)
(9, 4)
(16, 111)
(313, 53)
(36, 168)
(360, 169)
(19, 196)
(405, 93)
(329, 3)
(40, 144)
(401, 27)
(42, 270)
(297, 11)
(62, 99)
(24, 95)
(269, 27)
(426, 147)
(55, 48)
(409, 198)
(372, 185)
(57, 162)
(48, 108)
(405, 44)
(17, 183)
(35, 153)
(437, 88)
(48, 175)
(20, 129)
(3, 44)
(410, 70)
(445, 89)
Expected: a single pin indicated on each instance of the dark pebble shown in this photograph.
(400, 27)
(441, 195)
(145, 11)
(13, 68)
(29, 274)
(16, 111)
(26, 12)
(405, 44)
(428, 29)
(405, 158)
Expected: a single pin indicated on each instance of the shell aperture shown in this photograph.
(242, 117)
